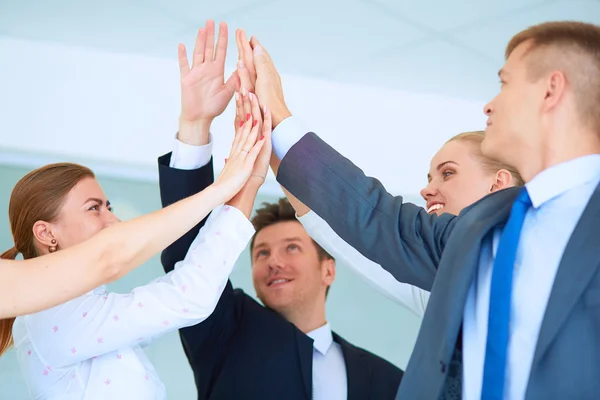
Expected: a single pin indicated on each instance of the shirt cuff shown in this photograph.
(286, 134)
(188, 157)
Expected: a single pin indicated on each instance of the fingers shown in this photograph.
(238, 43)
(184, 65)
(247, 56)
(253, 42)
(259, 51)
(254, 120)
(243, 129)
(256, 115)
(238, 110)
(199, 47)
(221, 51)
(209, 48)
(267, 124)
(253, 153)
(247, 105)
(245, 80)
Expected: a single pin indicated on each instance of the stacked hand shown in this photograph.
(258, 74)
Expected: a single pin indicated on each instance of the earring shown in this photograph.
(52, 248)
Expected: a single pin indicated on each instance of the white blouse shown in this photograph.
(89, 347)
(411, 297)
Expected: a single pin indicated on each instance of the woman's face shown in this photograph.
(85, 212)
(456, 178)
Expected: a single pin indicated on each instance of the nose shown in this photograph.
(275, 262)
(111, 220)
(487, 109)
(428, 191)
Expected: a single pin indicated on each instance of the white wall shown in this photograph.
(117, 112)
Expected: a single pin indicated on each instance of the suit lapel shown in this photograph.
(577, 267)
(305, 356)
(460, 268)
(358, 373)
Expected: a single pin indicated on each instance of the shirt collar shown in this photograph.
(560, 178)
(322, 338)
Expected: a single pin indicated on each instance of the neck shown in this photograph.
(559, 148)
(306, 319)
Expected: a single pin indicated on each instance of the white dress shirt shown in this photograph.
(329, 377)
(411, 297)
(89, 347)
(559, 196)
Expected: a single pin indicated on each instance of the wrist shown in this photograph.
(244, 200)
(196, 132)
(279, 113)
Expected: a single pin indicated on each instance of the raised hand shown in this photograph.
(244, 152)
(257, 70)
(248, 110)
(204, 93)
(245, 65)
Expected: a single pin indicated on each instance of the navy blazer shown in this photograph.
(246, 351)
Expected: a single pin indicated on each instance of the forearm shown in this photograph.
(244, 200)
(381, 280)
(300, 207)
(135, 241)
(38, 283)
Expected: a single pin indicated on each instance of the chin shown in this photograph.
(274, 302)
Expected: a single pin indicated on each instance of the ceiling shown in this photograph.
(429, 46)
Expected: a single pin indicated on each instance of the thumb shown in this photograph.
(232, 82)
(261, 57)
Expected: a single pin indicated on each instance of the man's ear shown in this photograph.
(328, 267)
(502, 180)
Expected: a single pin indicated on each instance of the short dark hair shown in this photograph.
(282, 211)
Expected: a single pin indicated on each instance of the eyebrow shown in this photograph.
(97, 200)
(287, 240)
(440, 166)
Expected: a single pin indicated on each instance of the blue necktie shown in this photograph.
(494, 370)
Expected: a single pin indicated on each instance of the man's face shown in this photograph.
(286, 269)
(515, 114)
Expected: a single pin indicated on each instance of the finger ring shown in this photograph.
(245, 150)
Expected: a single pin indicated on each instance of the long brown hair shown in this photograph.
(38, 196)
(475, 138)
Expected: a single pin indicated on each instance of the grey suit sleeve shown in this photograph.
(401, 237)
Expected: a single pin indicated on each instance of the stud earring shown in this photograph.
(52, 248)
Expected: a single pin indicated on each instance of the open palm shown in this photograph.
(204, 93)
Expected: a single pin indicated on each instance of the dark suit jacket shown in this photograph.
(246, 351)
(416, 247)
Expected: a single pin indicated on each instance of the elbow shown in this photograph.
(113, 262)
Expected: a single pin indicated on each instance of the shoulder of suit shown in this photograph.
(373, 359)
(493, 200)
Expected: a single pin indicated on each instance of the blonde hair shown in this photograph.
(476, 137)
